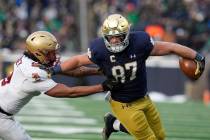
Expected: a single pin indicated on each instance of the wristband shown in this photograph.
(199, 57)
(57, 69)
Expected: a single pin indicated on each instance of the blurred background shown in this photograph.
(76, 22)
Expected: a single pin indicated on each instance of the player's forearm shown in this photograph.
(63, 91)
(70, 64)
(81, 91)
(183, 51)
(83, 71)
(75, 62)
(164, 48)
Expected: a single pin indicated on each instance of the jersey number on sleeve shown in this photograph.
(6, 80)
(128, 72)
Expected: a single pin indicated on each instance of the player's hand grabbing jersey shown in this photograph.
(128, 66)
(25, 82)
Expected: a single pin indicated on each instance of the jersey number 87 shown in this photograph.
(126, 72)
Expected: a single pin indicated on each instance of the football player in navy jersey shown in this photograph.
(121, 55)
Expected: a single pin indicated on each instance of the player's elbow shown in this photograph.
(74, 92)
(61, 91)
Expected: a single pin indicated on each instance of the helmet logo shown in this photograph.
(113, 24)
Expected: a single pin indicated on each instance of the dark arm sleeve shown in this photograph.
(148, 45)
(92, 53)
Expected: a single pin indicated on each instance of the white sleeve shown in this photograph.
(40, 86)
(31, 72)
(36, 78)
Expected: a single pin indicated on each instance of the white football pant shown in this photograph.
(10, 129)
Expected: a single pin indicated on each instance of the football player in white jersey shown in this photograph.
(28, 80)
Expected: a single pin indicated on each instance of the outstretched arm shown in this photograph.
(63, 91)
(82, 71)
(75, 62)
(71, 65)
(165, 48)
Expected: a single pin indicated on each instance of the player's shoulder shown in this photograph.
(97, 43)
(30, 70)
(97, 47)
(139, 35)
(140, 38)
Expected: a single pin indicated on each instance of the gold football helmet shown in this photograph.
(43, 45)
(116, 25)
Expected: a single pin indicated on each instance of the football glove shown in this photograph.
(100, 71)
(110, 84)
(200, 61)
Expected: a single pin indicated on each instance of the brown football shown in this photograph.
(188, 67)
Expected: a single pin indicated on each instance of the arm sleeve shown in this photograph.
(149, 44)
(40, 86)
(92, 53)
(38, 80)
(44, 85)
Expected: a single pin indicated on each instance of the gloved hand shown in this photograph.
(200, 61)
(100, 71)
(52, 70)
(110, 84)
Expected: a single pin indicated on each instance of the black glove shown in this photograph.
(200, 60)
(110, 84)
(100, 70)
(51, 70)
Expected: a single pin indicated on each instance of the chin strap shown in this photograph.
(31, 56)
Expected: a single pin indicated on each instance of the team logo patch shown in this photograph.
(36, 76)
(132, 56)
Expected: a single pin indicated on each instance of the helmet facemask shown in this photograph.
(117, 47)
(52, 58)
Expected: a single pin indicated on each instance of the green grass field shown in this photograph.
(46, 118)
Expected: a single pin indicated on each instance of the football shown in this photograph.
(188, 67)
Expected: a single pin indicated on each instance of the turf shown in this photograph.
(186, 121)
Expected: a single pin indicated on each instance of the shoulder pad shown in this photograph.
(31, 72)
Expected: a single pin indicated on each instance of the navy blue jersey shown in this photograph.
(127, 66)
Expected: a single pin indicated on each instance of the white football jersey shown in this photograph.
(25, 82)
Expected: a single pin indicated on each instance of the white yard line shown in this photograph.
(47, 106)
(53, 119)
(48, 112)
(45, 101)
(41, 104)
(55, 139)
(63, 129)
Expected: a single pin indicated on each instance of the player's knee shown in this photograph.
(161, 135)
(151, 137)
(146, 134)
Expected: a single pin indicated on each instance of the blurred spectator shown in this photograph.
(185, 21)
(21, 17)
(155, 31)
